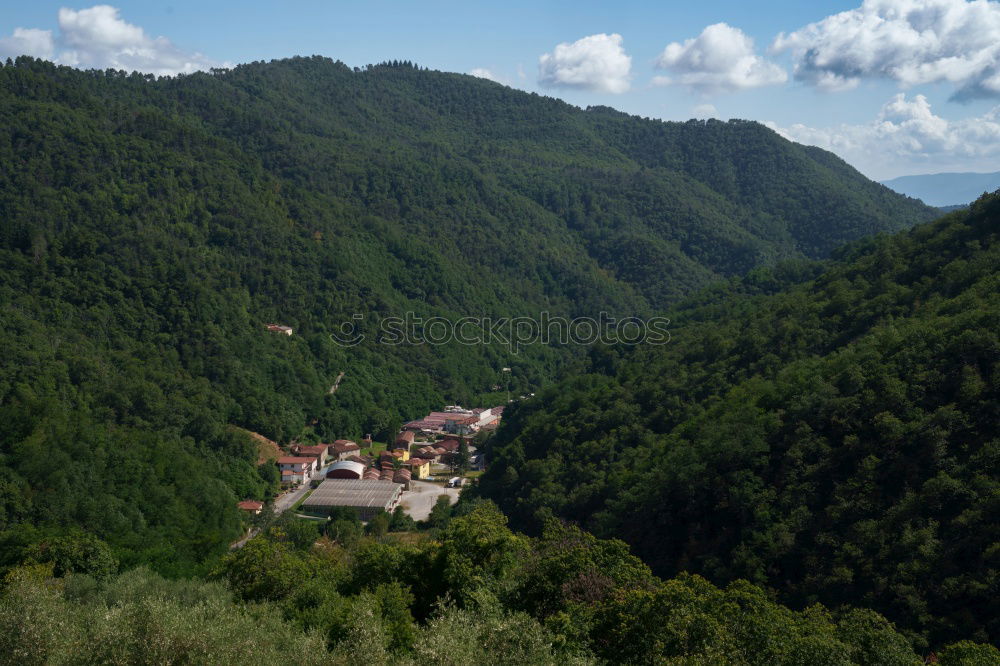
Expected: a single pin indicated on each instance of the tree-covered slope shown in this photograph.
(832, 436)
(471, 592)
(150, 228)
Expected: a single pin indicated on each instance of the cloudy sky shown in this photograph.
(895, 87)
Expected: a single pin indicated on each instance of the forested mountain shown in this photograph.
(150, 228)
(829, 434)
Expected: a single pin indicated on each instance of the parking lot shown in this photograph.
(421, 497)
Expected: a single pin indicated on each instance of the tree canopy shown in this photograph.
(828, 432)
(152, 227)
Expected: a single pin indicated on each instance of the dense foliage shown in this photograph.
(150, 228)
(832, 437)
(477, 593)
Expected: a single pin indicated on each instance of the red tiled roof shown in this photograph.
(435, 420)
(250, 505)
(343, 446)
(293, 460)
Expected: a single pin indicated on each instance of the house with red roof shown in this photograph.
(318, 451)
(343, 448)
(420, 468)
(296, 469)
(279, 328)
(449, 445)
(250, 506)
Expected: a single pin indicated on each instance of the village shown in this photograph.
(431, 457)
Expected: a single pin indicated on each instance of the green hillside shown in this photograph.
(830, 435)
(151, 228)
(473, 592)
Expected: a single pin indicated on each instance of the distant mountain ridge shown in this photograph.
(946, 190)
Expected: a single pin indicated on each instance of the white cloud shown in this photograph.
(906, 137)
(720, 59)
(28, 41)
(597, 62)
(483, 73)
(909, 41)
(705, 111)
(99, 38)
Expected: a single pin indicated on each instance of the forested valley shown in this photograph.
(813, 453)
(829, 435)
(151, 227)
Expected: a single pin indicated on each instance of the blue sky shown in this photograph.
(893, 86)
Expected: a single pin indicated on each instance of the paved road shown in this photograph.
(283, 503)
(288, 499)
(421, 497)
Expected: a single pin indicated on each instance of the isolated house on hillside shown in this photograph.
(278, 328)
(250, 506)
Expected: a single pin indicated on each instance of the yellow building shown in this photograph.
(420, 468)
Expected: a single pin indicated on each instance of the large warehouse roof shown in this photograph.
(353, 492)
(348, 465)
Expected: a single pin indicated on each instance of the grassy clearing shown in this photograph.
(375, 449)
